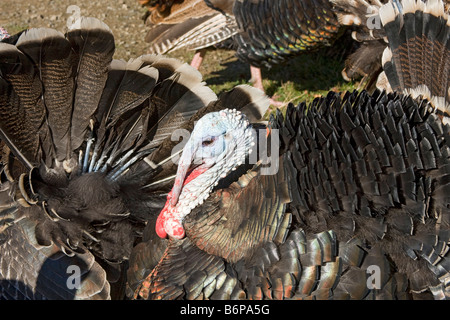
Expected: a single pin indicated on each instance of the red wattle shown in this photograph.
(160, 226)
(194, 174)
(163, 216)
(160, 229)
(178, 232)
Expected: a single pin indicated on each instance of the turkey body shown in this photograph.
(353, 193)
(271, 32)
(346, 198)
(262, 33)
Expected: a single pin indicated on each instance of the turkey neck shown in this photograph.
(221, 143)
(195, 188)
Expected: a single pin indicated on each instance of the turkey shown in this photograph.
(345, 198)
(86, 157)
(262, 32)
(365, 21)
(191, 24)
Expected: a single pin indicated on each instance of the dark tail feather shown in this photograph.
(394, 27)
(128, 85)
(123, 112)
(134, 121)
(177, 97)
(250, 101)
(51, 54)
(93, 44)
(22, 110)
(417, 60)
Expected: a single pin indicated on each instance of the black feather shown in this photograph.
(93, 46)
(51, 53)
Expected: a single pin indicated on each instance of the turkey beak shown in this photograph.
(184, 164)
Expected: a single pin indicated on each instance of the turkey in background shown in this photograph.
(265, 33)
(358, 206)
(262, 32)
(363, 17)
(191, 24)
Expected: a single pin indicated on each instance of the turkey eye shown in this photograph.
(207, 142)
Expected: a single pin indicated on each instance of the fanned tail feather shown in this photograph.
(22, 110)
(93, 44)
(175, 94)
(180, 96)
(51, 54)
(417, 61)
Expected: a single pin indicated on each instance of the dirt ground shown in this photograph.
(122, 16)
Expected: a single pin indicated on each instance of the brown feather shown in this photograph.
(22, 109)
(93, 47)
(57, 76)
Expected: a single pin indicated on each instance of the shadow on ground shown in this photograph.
(312, 71)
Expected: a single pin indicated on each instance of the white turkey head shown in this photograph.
(218, 144)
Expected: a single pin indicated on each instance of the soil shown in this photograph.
(122, 16)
